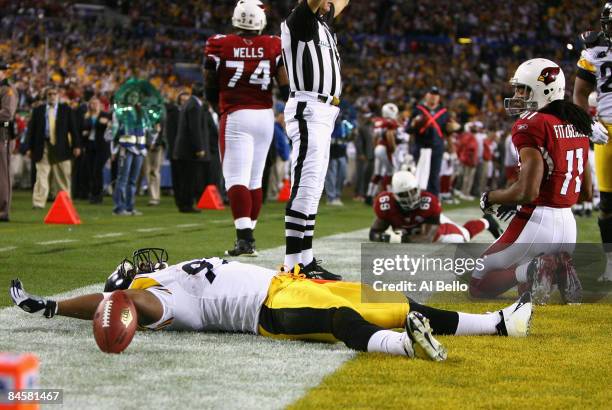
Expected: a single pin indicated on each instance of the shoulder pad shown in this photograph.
(590, 39)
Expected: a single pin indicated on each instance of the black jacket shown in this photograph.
(88, 126)
(66, 132)
(194, 132)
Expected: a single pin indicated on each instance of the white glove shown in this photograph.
(599, 133)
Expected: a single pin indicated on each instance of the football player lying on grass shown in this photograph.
(416, 216)
(217, 295)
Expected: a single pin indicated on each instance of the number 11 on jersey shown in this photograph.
(569, 156)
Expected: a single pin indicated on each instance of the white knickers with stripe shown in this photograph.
(309, 127)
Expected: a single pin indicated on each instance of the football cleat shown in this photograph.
(516, 318)
(568, 281)
(31, 303)
(420, 340)
(494, 227)
(540, 273)
(242, 247)
(315, 271)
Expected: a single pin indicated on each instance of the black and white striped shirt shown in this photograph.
(310, 51)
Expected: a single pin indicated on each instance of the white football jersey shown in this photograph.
(598, 61)
(209, 294)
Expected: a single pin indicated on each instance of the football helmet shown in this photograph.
(606, 20)
(146, 260)
(389, 110)
(249, 15)
(121, 278)
(405, 188)
(536, 82)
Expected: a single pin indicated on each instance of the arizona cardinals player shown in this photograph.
(416, 216)
(385, 131)
(214, 295)
(239, 69)
(594, 74)
(552, 139)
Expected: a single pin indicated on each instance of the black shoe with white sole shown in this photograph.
(422, 343)
(315, 271)
(242, 247)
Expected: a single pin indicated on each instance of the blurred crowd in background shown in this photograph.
(393, 51)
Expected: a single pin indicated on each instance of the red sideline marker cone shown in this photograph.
(211, 199)
(62, 211)
(285, 192)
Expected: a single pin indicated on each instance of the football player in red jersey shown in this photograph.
(416, 216)
(385, 131)
(552, 139)
(238, 73)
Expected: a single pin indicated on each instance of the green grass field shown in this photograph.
(565, 363)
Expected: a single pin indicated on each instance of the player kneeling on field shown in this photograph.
(217, 295)
(551, 136)
(416, 216)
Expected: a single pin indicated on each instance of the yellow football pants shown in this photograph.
(302, 309)
(603, 163)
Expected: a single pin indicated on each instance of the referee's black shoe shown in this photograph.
(242, 247)
(315, 271)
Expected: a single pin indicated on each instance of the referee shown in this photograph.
(311, 56)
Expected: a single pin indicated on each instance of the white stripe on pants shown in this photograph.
(310, 143)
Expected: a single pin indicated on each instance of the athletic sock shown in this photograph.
(351, 328)
(256, 201)
(475, 324)
(476, 226)
(386, 182)
(295, 224)
(240, 202)
(521, 272)
(388, 341)
(307, 253)
(442, 322)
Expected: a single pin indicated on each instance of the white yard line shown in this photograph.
(187, 225)
(8, 248)
(109, 235)
(154, 229)
(57, 241)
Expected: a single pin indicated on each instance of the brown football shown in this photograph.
(114, 322)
